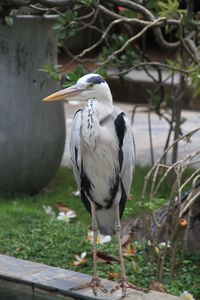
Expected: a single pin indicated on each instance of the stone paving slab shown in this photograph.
(24, 280)
(140, 128)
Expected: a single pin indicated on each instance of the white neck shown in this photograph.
(104, 105)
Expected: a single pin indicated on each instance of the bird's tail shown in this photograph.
(106, 220)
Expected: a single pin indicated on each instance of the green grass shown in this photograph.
(27, 232)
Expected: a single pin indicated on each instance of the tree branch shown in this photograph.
(161, 65)
(57, 3)
(150, 17)
(135, 37)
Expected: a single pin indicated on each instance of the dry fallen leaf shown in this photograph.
(112, 276)
(63, 208)
(127, 238)
(79, 260)
(105, 258)
(129, 250)
(130, 197)
(157, 286)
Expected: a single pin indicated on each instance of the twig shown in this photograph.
(89, 49)
(161, 65)
(149, 16)
(132, 39)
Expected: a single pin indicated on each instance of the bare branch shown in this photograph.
(94, 14)
(161, 65)
(49, 3)
(114, 15)
(150, 17)
(13, 3)
(164, 224)
(89, 49)
(46, 10)
(125, 19)
(134, 38)
(57, 3)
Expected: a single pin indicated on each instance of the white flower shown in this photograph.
(187, 296)
(76, 193)
(162, 245)
(101, 239)
(149, 243)
(48, 210)
(66, 216)
(79, 259)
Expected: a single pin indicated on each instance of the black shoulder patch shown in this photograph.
(76, 156)
(85, 200)
(86, 186)
(97, 79)
(112, 192)
(120, 127)
(77, 112)
(123, 200)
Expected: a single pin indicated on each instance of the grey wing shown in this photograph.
(128, 164)
(75, 147)
(126, 155)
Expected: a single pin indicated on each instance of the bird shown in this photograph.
(102, 151)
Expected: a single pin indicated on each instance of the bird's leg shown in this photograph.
(95, 233)
(95, 282)
(123, 283)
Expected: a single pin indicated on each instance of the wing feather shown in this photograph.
(75, 147)
(126, 156)
(75, 150)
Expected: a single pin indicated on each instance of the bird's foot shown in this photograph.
(124, 285)
(94, 284)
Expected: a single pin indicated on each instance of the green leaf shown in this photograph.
(72, 32)
(79, 71)
(196, 90)
(86, 2)
(70, 15)
(51, 71)
(9, 20)
(71, 76)
(57, 26)
(103, 73)
(170, 9)
(43, 82)
(63, 34)
(66, 84)
(62, 20)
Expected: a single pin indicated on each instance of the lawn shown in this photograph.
(27, 232)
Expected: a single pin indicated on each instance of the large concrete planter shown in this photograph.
(32, 133)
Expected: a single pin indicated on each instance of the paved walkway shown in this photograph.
(140, 128)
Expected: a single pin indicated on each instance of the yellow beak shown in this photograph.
(63, 94)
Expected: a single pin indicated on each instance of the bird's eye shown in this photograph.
(91, 84)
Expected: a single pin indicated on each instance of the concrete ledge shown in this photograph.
(25, 280)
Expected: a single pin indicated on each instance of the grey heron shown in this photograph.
(103, 156)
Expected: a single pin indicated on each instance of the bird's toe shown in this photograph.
(123, 284)
(94, 284)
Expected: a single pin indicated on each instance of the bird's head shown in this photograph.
(87, 87)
